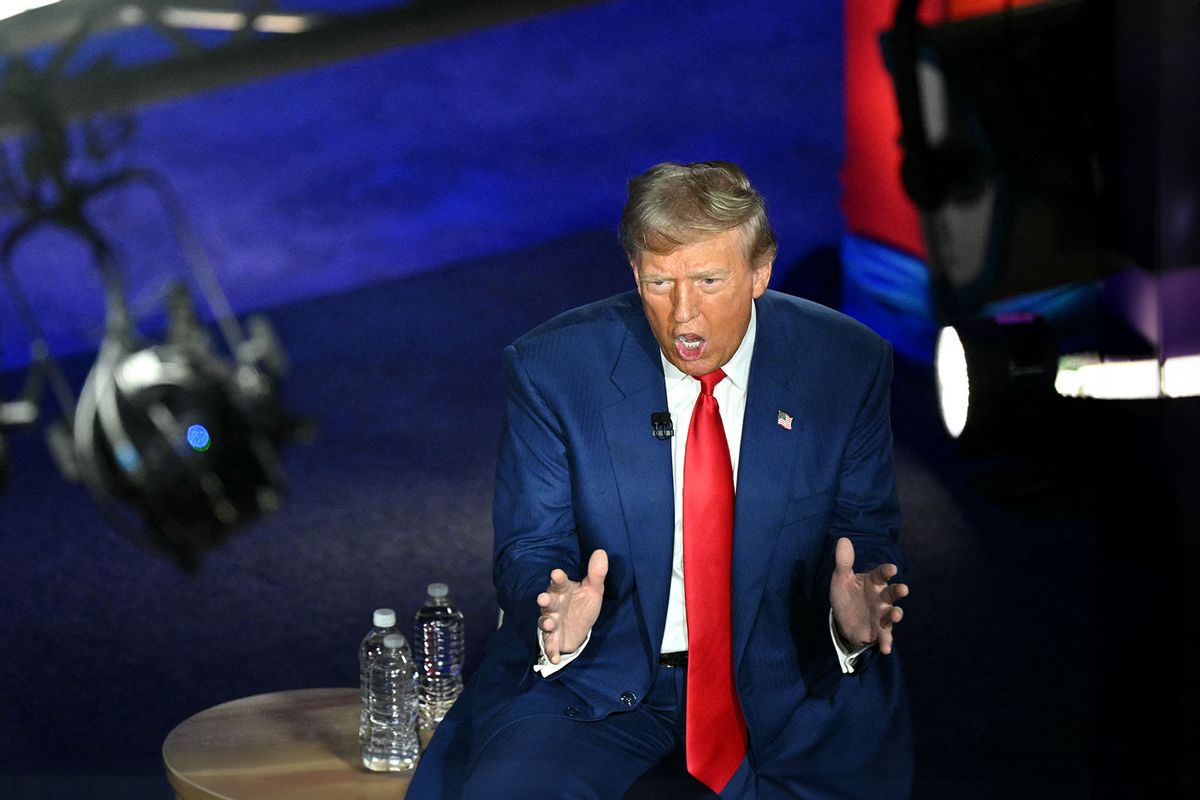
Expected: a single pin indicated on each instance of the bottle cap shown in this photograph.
(393, 641)
(385, 618)
(438, 590)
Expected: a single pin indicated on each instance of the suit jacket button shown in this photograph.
(572, 712)
(628, 698)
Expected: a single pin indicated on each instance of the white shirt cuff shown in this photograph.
(846, 657)
(543, 666)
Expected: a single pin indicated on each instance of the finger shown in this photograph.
(550, 642)
(597, 569)
(885, 616)
(843, 556)
(885, 642)
(894, 592)
(544, 599)
(897, 614)
(558, 580)
(884, 573)
(548, 624)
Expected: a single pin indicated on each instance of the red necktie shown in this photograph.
(715, 728)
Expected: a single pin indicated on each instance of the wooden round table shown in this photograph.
(297, 745)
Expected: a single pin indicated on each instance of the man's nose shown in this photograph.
(683, 304)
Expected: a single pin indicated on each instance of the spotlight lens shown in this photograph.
(127, 456)
(954, 390)
(198, 438)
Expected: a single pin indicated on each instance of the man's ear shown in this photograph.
(762, 276)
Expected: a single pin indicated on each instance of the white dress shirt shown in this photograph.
(682, 392)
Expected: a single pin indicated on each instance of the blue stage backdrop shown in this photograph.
(411, 159)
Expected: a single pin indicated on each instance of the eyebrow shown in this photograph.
(710, 272)
(700, 272)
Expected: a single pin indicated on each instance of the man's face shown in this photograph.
(698, 299)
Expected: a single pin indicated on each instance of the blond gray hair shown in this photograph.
(674, 205)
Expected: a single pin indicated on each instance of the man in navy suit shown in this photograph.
(590, 681)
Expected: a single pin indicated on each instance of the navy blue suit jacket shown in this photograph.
(579, 470)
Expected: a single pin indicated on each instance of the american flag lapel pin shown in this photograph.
(784, 419)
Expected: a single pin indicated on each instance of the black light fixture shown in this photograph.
(177, 442)
(187, 439)
(173, 431)
(995, 380)
(1000, 120)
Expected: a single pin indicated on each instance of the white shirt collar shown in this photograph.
(737, 369)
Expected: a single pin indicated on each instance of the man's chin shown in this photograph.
(694, 368)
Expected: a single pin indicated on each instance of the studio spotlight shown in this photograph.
(184, 437)
(954, 385)
(995, 380)
(177, 442)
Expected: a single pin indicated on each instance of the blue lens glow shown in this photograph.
(198, 438)
(127, 456)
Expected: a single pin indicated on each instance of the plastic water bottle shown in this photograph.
(438, 645)
(372, 645)
(391, 739)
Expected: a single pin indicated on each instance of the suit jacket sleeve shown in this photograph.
(867, 510)
(532, 512)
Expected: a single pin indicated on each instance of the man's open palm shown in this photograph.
(570, 608)
(864, 603)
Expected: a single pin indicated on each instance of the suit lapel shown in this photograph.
(765, 467)
(642, 468)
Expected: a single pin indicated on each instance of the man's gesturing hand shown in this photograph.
(570, 608)
(864, 603)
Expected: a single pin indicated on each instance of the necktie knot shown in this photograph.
(709, 381)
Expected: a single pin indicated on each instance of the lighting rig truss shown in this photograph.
(264, 39)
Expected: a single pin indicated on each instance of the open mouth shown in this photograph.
(689, 346)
